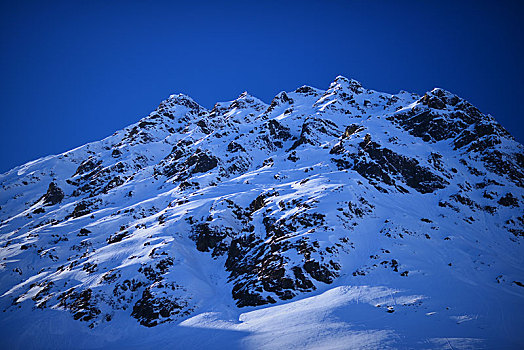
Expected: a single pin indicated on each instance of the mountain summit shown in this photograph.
(344, 218)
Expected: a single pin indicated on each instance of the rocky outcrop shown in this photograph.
(54, 195)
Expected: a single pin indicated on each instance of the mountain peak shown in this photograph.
(439, 98)
(345, 84)
(181, 100)
(245, 94)
(308, 90)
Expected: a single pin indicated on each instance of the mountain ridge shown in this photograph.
(270, 203)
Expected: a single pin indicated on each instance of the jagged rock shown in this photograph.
(307, 90)
(54, 195)
(313, 129)
(380, 165)
(281, 98)
(156, 306)
(202, 162)
(80, 209)
(320, 272)
(87, 166)
(352, 129)
(508, 200)
(81, 304)
(207, 239)
(277, 131)
(84, 232)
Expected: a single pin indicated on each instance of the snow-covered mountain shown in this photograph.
(344, 218)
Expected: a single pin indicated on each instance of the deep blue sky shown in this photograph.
(72, 72)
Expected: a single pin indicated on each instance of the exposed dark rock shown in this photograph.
(293, 156)
(202, 162)
(433, 102)
(306, 90)
(312, 128)
(116, 153)
(246, 298)
(238, 249)
(80, 303)
(80, 209)
(260, 201)
(352, 129)
(235, 147)
(87, 166)
(350, 85)
(117, 237)
(145, 124)
(54, 195)
(154, 272)
(505, 166)
(279, 99)
(319, 272)
(208, 239)
(115, 182)
(158, 306)
(256, 266)
(277, 130)
(84, 232)
(428, 125)
(379, 164)
(337, 149)
(508, 200)
(203, 126)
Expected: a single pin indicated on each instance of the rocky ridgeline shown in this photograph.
(271, 200)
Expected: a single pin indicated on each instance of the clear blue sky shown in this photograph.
(72, 72)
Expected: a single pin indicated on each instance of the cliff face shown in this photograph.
(192, 210)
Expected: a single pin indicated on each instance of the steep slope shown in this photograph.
(382, 220)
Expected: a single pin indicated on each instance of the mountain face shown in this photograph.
(342, 218)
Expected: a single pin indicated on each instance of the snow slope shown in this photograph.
(336, 219)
